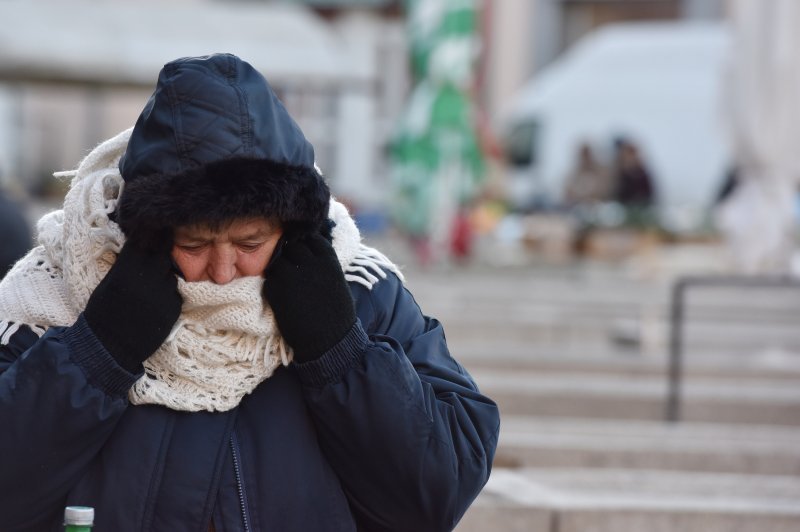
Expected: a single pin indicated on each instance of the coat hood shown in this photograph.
(214, 143)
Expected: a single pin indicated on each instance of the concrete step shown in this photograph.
(518, 292)
(750, 401)
(633, 501)
(535, 323)
(584, 443)
(581, 358)
(599, 305)
(696, 337)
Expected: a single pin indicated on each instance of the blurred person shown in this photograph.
(201, 341)
(588, 185)
(634, 185)
(16, 233)
(462, 235)
(589, 182)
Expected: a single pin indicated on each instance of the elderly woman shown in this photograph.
(202, 342)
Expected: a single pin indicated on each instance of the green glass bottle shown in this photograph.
(78, 519)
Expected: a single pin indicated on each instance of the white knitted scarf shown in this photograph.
(225, 342)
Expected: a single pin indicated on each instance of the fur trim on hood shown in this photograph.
(221, 191)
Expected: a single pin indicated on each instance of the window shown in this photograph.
(521, 144)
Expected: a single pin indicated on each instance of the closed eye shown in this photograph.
(192, 248)
(249, 247)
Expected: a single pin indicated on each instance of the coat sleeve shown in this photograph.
(60, 398)
(402, 423)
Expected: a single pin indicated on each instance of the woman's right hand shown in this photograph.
(134, 307)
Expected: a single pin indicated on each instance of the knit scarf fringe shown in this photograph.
(224, 343)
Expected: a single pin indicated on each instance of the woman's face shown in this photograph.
(240, 249)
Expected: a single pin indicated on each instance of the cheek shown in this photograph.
(253, 264)
(193, 267)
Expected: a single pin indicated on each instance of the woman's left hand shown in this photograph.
(306, 289)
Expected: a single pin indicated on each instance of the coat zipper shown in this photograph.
(239, 484)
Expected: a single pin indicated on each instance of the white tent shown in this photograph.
(128, 42)
(764, 109)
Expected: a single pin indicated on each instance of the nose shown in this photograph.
(222, 264)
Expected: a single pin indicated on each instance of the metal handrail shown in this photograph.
(677, 318)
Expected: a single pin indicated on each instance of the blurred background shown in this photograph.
(598, 198)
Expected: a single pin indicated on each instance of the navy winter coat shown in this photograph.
(384, 432)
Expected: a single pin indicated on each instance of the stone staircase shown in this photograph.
(553, 443)
(612, 500)
(578, 365)
(704, 399)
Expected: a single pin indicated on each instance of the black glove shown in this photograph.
(309, 296)
(136, 304)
